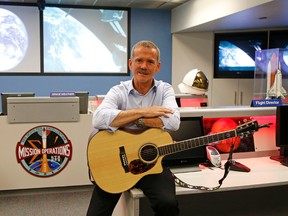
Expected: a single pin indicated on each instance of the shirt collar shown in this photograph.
(131, 88)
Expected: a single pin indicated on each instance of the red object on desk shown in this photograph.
(225, 124)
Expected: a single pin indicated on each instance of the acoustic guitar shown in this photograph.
(118, 160)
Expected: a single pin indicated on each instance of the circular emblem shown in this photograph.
(44, 151)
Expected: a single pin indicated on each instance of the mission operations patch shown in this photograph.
(44, 151)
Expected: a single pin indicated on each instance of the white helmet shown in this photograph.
(194, 82)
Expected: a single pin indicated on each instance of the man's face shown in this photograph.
(144, 64)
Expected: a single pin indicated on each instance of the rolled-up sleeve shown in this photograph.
(123, 97)
(169, 101)
(106, 112)
(102, 118)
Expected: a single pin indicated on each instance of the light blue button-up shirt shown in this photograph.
(125, 97)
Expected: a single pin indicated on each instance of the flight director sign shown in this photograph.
(44, 151)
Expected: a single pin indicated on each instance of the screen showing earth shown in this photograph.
(85, 40)
(75, 40)
(19, 39)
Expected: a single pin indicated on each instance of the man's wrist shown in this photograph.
(140, 123)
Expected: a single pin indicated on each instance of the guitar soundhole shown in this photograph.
(148, 153)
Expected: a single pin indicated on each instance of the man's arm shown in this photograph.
(109, 116)
(150, 116)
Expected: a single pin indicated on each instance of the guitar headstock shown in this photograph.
(247, 128)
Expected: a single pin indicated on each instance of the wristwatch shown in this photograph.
(140, 123)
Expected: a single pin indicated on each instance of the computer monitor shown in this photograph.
(5, 95)
(83, 101)
(281, 132)
(234, 53)
(190, 127)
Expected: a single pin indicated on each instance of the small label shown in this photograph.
(267, 103)
(62, 94)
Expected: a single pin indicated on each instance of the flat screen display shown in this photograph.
(281, 133)
(83, 101)
(85, 40)
(190, 127)
(5, 95)
(278, 39)
(19, 39)
(234, 53)
(63, 40)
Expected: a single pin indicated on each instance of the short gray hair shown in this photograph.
(148, 44)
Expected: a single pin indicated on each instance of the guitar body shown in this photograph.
(115, 161)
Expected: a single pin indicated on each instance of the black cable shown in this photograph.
(227, 165)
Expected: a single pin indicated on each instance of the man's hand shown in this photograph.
(150, 116)
(155, 111)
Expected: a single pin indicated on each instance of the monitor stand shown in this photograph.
(277, 157)
(282, 156)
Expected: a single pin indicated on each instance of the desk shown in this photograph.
(15, 178)
(265, 173)
(75, 174)
(229, 111)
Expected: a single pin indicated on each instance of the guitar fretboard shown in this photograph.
(195, 142)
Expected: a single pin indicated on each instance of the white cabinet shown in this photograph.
(232, 92)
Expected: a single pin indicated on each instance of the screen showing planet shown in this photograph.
(19, 39)
(85, 40)
(63, 40)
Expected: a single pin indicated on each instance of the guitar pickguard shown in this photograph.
(138, 167)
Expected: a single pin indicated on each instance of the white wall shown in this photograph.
(190, 51)
(197, 12)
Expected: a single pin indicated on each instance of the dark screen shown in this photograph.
(190, 127)
(281, 132)
(278, 39)
(83, 101)
(281, 126)
(4, 97)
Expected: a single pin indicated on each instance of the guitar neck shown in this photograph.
(195, 142)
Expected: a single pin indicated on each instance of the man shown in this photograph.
(138, 104)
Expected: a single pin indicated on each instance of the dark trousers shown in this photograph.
(158, 188)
